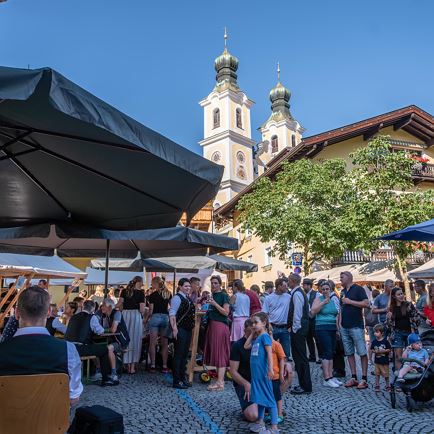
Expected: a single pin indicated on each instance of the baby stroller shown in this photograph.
(418, 386)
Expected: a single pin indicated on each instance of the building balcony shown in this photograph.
(354, 257)
(423, 172)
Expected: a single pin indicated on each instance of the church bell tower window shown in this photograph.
(274, 144)
(238, 118)
(216, 118)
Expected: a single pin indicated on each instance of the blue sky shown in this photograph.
(342, 60)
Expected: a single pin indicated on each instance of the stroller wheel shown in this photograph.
(205, 377)
(411, 403)
(393, 398)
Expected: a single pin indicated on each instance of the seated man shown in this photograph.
(81, 328)
(111, 319)
(33, 351)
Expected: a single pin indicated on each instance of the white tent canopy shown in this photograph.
(97, 277)
(425, 271)
(41, 266)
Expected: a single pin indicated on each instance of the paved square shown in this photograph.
(150, 405)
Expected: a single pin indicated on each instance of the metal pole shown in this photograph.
(106, 277)
(174, 281)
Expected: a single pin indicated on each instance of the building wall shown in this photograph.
(252, 246)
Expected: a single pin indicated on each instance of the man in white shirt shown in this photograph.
(276, 305)
(33, 350)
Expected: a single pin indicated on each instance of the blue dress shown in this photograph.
(262, 387)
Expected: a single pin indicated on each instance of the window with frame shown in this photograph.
(268, 256)
(274, 144)
(238, 118)
(293, 140)
(216, 118)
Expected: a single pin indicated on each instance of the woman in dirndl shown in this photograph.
(132, 303)
(217, 341)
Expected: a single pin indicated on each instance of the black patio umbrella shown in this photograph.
(68, 240)
(67, 156)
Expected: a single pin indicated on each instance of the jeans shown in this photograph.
(182, 345)
(354, 339)
(281, 334)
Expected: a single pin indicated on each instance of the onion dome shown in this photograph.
(279, 97)
(226, 66)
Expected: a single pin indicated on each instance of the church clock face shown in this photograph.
(216, 157)
(241, 158)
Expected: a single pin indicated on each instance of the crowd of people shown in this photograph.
(257, 336)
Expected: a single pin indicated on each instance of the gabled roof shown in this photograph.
(411, 119)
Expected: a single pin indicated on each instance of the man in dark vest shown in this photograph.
(298, 323)
(81, 328)
(112, 319)
(33, 351)
(310, 338)
(181, 316)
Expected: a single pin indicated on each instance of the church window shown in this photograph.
(274, 144)
(293, 140)
(238, 117)
(216, 118)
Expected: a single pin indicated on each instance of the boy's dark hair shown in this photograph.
(379, 328)
(278, 282)
(182, 281)
(248, 323)
(216, 277)
(194, 279)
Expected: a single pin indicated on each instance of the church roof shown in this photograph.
(411, 119)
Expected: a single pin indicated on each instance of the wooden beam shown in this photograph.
(403, 122)
(416, 125)
(372, 131)
(412, 130)
(430, 142)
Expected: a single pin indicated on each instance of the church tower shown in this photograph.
(227, 131)
(281, 130)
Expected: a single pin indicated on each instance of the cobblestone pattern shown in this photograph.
(150, 405)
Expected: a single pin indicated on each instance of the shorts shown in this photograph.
(276, 390)
(239, 390)
(415, 367)
(354, 339)
(159, 322)
(400, 339)
(382, 370)
(326, 343)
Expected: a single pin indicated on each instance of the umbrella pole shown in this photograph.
(174, 281)
(106, 276)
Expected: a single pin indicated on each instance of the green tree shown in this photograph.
(384, 199)
(303, 205)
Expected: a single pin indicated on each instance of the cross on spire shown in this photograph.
(226, 37)
(278, 72)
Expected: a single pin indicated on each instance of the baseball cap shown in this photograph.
(413, 338)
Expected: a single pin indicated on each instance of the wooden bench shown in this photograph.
(86, 359)
(37, 404)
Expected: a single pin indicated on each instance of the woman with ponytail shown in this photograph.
(158, 317)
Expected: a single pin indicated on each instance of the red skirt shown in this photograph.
(217, 345)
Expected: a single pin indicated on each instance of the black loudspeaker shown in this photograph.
(96, 420)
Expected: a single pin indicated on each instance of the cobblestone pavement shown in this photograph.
(150, 405)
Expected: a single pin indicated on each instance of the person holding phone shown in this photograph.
(325, 309)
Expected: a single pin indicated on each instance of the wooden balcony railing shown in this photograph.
(352, 257)
(423, 171)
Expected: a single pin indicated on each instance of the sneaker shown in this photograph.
(400, 380)
(267, 419)
(330, 383)
(280, 419)
(338, 382)
(256, 427)
(165, 371)
(352, 382)
(362, 385)
(114, 378)
(377, 388)
(96, 377)
(387, 389)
